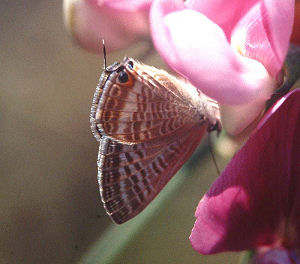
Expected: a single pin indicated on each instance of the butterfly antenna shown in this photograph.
(104, 54)
(212, 154)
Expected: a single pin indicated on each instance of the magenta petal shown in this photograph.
(249, 204)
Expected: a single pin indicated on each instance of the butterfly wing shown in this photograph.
(148, 126)
(146, 107)
(130, 176)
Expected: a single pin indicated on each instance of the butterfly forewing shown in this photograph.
(143, 110)
(148, 125)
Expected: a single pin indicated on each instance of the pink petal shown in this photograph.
(197, 48)
(231, 11)
(90, 21)
(129, 5)
(261, 28)
(256, 200)
(263, 33)
(159, 31)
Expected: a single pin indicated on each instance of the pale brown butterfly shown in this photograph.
(148, 124)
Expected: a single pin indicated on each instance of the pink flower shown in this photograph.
(118, 22)
(231, 50)
(255, 203)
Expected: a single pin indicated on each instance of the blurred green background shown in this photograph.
(50, 209)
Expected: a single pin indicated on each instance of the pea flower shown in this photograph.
(119, 22)
(255, 203)
(231, 50)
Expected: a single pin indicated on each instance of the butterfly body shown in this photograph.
(148, 124)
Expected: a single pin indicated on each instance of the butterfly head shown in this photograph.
(125, 71)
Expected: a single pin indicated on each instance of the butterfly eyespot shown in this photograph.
(123, 77)
(130, 65)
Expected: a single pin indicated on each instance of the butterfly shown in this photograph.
(148, 124)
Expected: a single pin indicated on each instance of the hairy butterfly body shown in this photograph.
(148, 124)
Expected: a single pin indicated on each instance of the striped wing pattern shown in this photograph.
(139, 113)
(130, 176)
(147, 128)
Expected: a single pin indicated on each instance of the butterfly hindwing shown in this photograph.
(130, 176)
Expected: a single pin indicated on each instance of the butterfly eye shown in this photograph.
(130, 65)
(123, 77)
